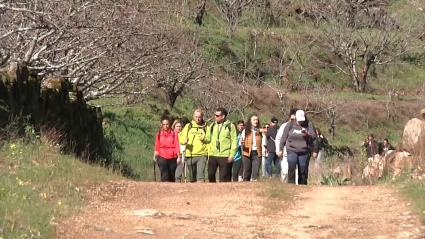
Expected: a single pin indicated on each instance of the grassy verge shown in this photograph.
(133, 128)
(38, 186)
(414, 190)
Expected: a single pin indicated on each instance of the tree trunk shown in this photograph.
(269, 13)
(363, 76)
(201, 10)
(172, 98)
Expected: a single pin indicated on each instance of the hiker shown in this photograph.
(237, 159)
(371, 146)
(264, 152)
(222, 140)
(196, 154)
(386, 147)
(251, 142)
(167, 151)
(281, 151)
(271, 148)
(298, 137)
(178, 127)
(320, 145)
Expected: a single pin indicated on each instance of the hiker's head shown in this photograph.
(240, 126)
(300, 116)
(165, 123)
(370, 137)
(252, 123)
(198, 116)
(386, 142)
(184, 121)
(292, 114)
(266, 128)
(220, 115)
(274, 121)
(177, 126)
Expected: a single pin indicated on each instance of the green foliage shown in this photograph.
(332, 180)
(130, 131)
(38, 186)
(298, 42)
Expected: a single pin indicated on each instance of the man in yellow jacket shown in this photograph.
(222, 139)
(192, 136)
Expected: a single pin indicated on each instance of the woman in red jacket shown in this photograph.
(167, 151)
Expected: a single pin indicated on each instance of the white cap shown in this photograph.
(300, 115)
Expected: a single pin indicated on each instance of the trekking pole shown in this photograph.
(154, 167)
(185, 171)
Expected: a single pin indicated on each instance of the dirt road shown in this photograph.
(251, 210)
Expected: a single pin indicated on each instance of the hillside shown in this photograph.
(72, 70)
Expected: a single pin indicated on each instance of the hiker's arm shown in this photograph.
(234, 141)
(156, 144)
(207, 138)
(242, 139)
(311, 132)
(278, 138)
(285, 135)
(183, 134)
(176, 145)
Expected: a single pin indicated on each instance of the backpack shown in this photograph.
(309, 141)
(191, 126)
(214, 124)
(159, 135)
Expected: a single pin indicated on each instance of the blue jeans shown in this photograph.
(301, 160)
(272, 158)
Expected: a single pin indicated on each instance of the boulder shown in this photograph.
(374, 170)
(414, 137)
(399, 161)
(423, 113)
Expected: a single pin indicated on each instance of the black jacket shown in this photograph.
(271, 137)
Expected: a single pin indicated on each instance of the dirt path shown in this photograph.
(242, 211)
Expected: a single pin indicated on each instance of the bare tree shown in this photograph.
(181, 69)
(200, 12)
(358, 39)
(102, 47)
(214, 92)
(232, 10)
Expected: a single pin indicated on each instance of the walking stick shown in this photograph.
(154, 168)
(185, 171)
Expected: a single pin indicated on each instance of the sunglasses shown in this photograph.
(266, 127)
(217, 115)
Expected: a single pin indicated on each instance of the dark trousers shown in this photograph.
(301, 160)
(225, 169)
(251, 166)
(236, 170)
(167, 168)
(272, 158)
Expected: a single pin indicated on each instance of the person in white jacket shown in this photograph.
(281, 153)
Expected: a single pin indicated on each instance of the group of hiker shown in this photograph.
(374, 147)
(238, 151)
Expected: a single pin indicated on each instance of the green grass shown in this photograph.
(414, 190)
(38, 186)
(133, 129)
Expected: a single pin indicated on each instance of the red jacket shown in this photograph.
(167, 144)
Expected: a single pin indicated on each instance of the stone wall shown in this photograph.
(52, 107)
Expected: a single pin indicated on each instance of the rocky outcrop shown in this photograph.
(414, 137)
(411, 156)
